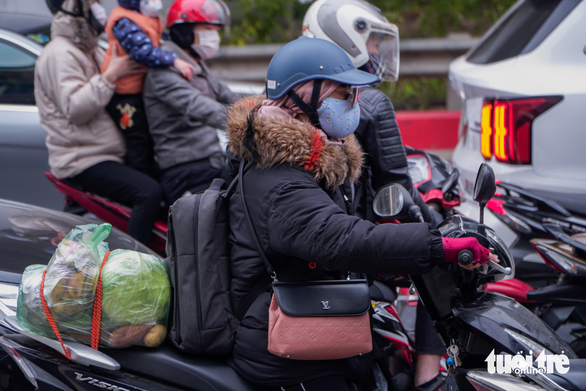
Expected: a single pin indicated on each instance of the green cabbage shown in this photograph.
(136, 290)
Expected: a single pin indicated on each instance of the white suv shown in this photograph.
(524, 101)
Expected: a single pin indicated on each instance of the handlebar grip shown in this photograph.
(465, 257)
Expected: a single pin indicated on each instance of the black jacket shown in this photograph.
(301, 219)
(386, 162)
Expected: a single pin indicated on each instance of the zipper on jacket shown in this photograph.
(348, 204)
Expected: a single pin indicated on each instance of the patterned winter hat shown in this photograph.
(133, 5)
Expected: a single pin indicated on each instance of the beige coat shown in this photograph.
(71, 96)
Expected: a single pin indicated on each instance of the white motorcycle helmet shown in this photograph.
(360, 30)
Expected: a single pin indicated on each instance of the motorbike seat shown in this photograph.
(169, 365)
(574, 379)
(110, 211)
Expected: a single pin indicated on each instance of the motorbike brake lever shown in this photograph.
(499, 268)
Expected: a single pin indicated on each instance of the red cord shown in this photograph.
(50, 317)
(97, 313)
(96, 317)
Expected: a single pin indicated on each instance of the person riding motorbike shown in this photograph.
(372, 43)
(300, 142)
(85, 146)
(183, 114)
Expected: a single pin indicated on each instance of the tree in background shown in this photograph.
(436, 18)
(265, 21)
(279, 21)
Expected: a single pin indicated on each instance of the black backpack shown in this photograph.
(198, 261)
(202, 320)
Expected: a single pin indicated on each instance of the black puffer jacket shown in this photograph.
(386, 162)
(299, 214)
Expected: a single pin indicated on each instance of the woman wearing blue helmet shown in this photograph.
(301, 145)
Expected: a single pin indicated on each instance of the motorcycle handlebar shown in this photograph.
(465, 257)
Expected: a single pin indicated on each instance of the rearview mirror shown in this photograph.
(389, 201)
(485, 185)
(484, 189)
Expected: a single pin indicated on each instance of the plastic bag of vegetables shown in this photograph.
(125, 292)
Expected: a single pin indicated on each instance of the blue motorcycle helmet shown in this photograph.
(306, 59)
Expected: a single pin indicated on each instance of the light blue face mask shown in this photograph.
(338, 117)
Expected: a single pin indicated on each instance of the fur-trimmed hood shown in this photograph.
(280, 141)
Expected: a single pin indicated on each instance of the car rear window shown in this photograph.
(521, 30)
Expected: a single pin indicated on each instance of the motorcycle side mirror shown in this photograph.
(485, 185)
(394, 201)
(389, 201)
(484, 189)
(450, 184)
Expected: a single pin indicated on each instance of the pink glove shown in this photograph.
(452, 248)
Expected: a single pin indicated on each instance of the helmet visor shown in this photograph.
(383, 48)
(215, 12)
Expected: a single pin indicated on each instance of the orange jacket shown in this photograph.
(153, 27)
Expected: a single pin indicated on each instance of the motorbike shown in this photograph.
(474, 323)
(544, 227)
(470, 322)
(565, 300)
(533, 217)
(525, 212)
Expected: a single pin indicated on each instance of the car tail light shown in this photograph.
(486, 133)
(506, 127)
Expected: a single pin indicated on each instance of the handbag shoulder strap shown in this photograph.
(241, 172)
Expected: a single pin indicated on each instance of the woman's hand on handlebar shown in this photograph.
(121, 66)
(476, 265)
(466, 252)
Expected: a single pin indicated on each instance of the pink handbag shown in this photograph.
(304, 326)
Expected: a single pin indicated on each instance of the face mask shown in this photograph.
(98, 17)
(209, 44)
(151, 8)
(338, 118)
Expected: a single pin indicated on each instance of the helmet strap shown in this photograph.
(193, 53)
(182, 35)
(311, 108)
(79, 10)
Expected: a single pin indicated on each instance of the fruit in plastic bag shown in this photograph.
(135, 292)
